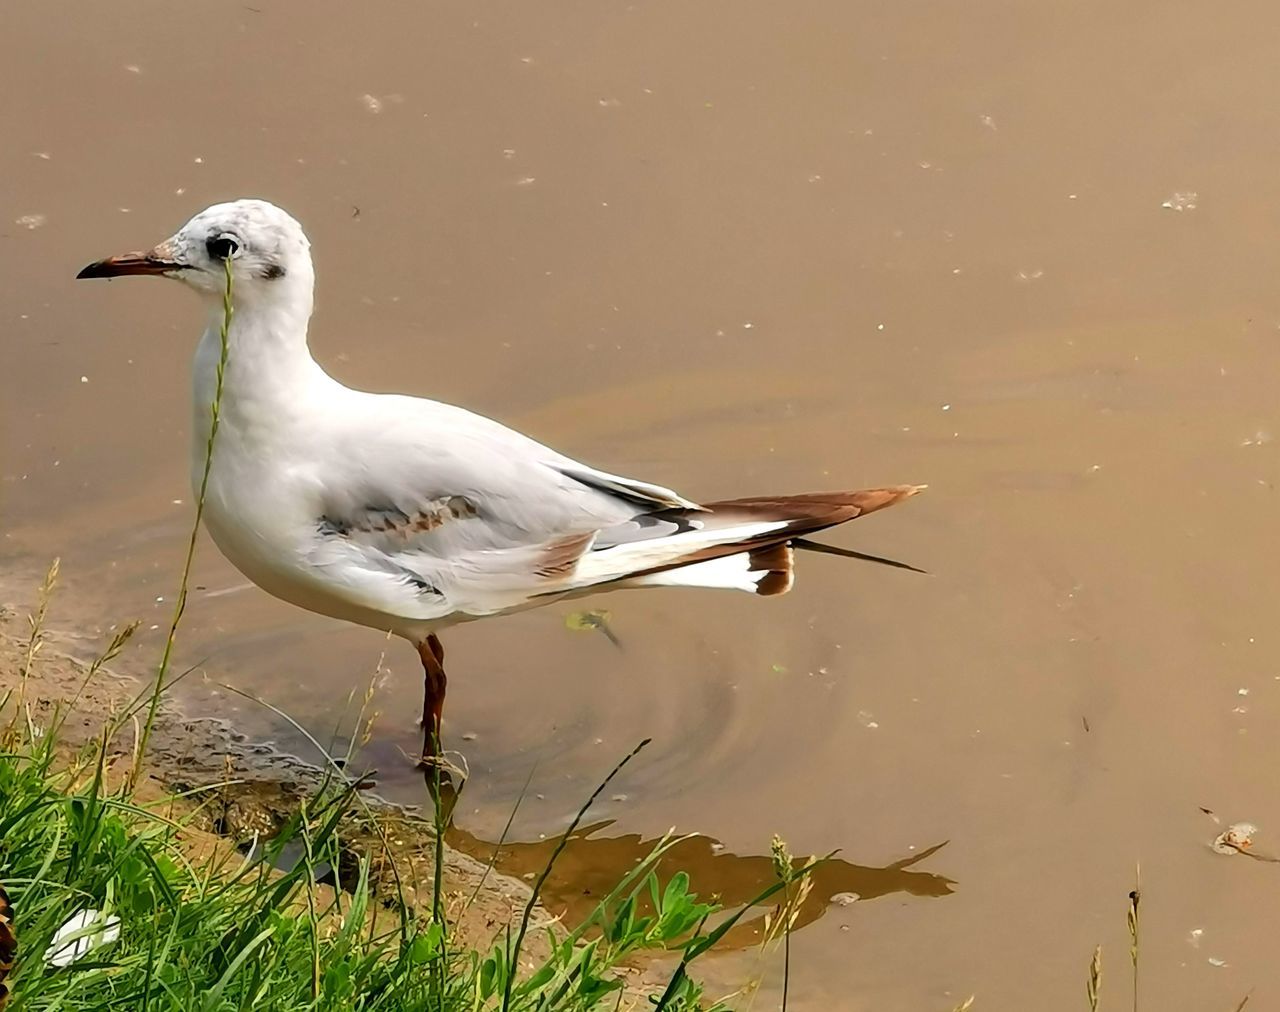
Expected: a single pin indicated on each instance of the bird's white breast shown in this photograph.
(261, 500)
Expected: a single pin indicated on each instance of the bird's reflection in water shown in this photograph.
(591, 865)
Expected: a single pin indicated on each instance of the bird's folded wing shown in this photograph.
(640, 492)
(459, 480)
(468, 511)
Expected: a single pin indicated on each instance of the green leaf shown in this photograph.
(493, 973)
(676, 892)
(622, 921)
(423, 949)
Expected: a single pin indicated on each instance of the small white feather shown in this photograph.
(729, 572)
(81, 934)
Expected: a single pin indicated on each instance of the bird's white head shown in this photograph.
(269, 254)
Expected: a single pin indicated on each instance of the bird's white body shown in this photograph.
(409, 515)
(314, 486)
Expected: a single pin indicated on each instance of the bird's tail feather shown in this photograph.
(743, 544)
(805, 545)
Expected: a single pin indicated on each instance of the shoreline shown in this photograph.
(231, 792)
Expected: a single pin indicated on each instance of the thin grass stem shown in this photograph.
(180, 607)
(513, 959)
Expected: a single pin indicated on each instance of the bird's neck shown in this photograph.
(268, 366)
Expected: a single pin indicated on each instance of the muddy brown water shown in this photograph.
(740, 248)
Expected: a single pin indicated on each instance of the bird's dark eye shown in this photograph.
(222, 247)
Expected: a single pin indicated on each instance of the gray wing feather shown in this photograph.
(462, 507)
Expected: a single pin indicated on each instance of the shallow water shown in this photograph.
(737, 250)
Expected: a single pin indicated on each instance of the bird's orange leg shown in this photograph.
(434, 682)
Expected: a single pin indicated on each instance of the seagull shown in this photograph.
(407, 515)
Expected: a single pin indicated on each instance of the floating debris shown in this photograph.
(30, 221)
(588, 621)
(1183, 200)
(1237, 838)
(372, 103)
(845, 899)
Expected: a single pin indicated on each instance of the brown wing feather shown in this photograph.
(778, 563)
(803, 514)
(812, 511)
(560, 557)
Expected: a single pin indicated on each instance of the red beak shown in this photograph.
(130, 263)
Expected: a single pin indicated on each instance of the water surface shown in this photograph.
(740, 248)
